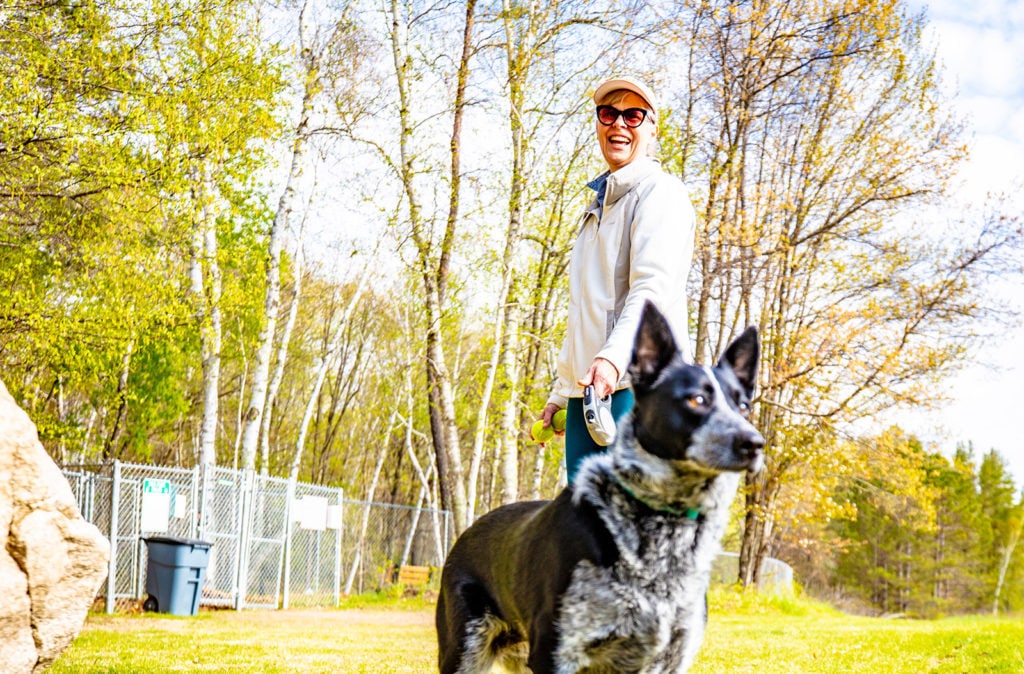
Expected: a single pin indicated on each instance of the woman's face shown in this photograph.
(620, 144)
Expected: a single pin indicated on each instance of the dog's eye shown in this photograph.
(697, 401)
(744, 408)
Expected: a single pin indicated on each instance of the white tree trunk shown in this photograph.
(479, 435)
(240, 421)
(206, 288)
(281, 360)
(381, 455)
(285, 206)
(510, 419)
(538, 474)
(1004, 563)
(450, 468)
(321, 372)
(431, 494)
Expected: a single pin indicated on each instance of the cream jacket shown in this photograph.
(638, 247)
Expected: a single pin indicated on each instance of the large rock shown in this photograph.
(51, 560)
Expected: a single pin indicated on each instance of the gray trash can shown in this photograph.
(175, 573)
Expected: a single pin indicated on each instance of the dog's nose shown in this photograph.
(748, 443)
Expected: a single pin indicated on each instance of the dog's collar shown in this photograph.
(689, 513)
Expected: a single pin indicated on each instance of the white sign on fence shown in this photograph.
(310, 512)
(156, 505)
(179, 504)
(334, 517)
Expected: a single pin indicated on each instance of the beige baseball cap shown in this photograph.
(629, 84)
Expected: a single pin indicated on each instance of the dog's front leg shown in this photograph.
(543, 645)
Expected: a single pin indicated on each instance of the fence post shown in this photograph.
(193, 525)
(244, 534)
(87, 496)
(202, 507)
(115, 504)
(286, 562)
(337, 549)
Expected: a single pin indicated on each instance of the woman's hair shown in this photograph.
(615, 97)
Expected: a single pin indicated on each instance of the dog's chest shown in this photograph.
(641, 613)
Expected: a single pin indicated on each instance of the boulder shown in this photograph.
(52, 561)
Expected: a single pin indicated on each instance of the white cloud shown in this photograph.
(982, 60)
(978, 45)
(996, 165)
(980, 13)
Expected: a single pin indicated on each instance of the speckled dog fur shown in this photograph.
(612, 575)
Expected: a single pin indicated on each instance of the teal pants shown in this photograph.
(578, 443)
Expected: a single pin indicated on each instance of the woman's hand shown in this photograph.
(549, 411)
(602, 375)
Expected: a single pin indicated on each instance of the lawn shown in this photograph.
(759, 635)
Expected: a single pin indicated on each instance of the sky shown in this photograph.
(980, 43)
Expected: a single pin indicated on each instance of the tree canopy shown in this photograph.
(330, 241)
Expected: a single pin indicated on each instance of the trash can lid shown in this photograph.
(176, 540)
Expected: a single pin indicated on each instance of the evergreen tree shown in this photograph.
(962, 530)
(1002, 522)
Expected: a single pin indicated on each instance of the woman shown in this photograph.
(635, 243)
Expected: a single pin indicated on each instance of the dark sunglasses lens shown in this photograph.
(607, 114)
(634, 117)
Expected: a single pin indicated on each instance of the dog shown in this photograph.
(612, 575)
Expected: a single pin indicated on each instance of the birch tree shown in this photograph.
(998, 503)
(433, 250)
(321, 370)
(218, 58)
(137, 163)
(1006, 553)
(206, 292)
(327, 57)
(307, 69)
(298, 269)
(543, 105)
(821, 130)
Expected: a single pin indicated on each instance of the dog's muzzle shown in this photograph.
(747, 446)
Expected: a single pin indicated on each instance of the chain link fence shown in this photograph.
(273, 543)
(386, 538)
(776, 576)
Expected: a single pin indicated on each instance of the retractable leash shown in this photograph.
(597, 412)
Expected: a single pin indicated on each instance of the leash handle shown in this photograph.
(597, 413)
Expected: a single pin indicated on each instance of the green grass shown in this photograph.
(383, 635)
(769, 636)
(353, 640)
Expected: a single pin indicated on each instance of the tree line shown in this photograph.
(329, 241)
(921, 535)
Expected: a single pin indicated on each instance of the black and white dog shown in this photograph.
(612, 575)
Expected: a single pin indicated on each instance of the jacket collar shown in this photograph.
(629, 176)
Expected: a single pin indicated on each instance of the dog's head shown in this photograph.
(690, 413)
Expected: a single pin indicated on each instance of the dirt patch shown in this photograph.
(256, 618)
(137, 623)
(360, 616)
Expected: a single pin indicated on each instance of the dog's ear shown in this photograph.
(741, 357)
(653, 348)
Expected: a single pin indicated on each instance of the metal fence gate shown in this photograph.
(273, 543)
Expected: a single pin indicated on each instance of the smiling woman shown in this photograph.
(634, 244)
(626, 128)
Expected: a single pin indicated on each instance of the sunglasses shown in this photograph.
(631, 117)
